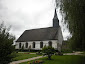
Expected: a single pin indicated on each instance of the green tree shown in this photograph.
(6, 47)
(48, 50)
(22, 48)
(73, 12)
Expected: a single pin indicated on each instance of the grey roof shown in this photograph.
(38, 34)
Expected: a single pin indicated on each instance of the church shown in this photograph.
(36, 39)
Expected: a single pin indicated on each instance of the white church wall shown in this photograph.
(30, 44)
(22, 44)
(17, 45)
(37, 44)
(54, 43)
(60, 38)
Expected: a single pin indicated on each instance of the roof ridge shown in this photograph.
(39, 28)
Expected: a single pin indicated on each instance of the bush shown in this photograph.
(67, 50)
(39, 53)
(6, 47)
(48, 51)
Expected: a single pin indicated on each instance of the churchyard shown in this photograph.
(22, 56)
(55, 59)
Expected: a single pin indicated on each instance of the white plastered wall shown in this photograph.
(60, 38)
(37, 44)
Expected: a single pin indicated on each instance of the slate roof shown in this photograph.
(39, 34)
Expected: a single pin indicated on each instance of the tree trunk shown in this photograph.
(49, 57)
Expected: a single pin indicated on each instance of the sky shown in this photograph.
(23, 15)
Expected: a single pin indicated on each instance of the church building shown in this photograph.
(36, 39)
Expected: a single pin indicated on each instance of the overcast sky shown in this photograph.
(29, 14)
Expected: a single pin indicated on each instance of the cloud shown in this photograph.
(27, 14)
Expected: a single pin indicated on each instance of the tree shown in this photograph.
(22, 48)
(73, 12)
(48, 50)
(29, 48)
(6, 47)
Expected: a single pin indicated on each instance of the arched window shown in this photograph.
(50, 43)
(41, 44)
(26, 45)
(33, 44)
(19, 45)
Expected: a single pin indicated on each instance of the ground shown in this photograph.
(66, 59)
(22, 56)
(70, 58)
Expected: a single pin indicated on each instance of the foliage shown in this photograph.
(6, 47)
(22, 49)
(67, 51)
(39, 53)
(66, 47)
(73, 12)
(48, 50)
(29, 48)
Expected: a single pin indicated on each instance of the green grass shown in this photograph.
(66, 59)
(21, 56)
(83, 53)
(26, 52)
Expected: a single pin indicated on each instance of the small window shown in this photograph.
(33, 44)
(50, 43)
(41, 44)
(26, 45)
(19, 45)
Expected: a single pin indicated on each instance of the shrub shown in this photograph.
(6, 47)
(48, 51)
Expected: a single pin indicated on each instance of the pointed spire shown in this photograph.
(55, 14)
(55, 20)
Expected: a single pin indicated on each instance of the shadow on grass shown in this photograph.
(65, 59)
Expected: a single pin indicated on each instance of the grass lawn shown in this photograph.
(26, 52)
(66, 59)
(83, 53)
(21, 56)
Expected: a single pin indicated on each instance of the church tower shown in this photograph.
(55, 20)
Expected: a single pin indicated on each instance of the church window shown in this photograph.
(50, 43)
(33, 44)
(19, 45)
(26, 45)
(41, 44)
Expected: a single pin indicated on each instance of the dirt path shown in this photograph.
(20, 61)
(75, 53)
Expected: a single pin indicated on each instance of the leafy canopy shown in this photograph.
(6, 47)
(73, 12)
(48, 50)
